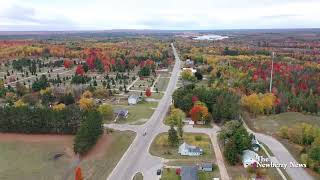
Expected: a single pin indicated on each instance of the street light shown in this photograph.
(271, 76)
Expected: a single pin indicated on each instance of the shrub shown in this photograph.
(198, 138)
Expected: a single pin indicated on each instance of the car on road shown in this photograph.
(159, 172)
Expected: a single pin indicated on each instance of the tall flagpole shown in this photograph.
(271, 76)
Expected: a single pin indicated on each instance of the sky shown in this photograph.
(64, 15)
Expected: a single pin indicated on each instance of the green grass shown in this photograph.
(208, 175)
(138, 176)
(271, 124)
(28, 161)
(161, 148)
(155, 95)
(99, 168)
(169, 174)
(139, 112)
(162, 84)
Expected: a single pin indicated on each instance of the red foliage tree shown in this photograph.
(78, 175)
(148, 92)
(67, 63)
(79, 70)
(194, 99)
(198, 113)
(90, 62)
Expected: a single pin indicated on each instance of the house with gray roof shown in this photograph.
(133, 99)
(121, 113)
(189, 150)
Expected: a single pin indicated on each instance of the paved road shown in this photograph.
(282, 155)
(137, 157)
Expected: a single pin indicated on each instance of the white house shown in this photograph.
(188, 150)
(188, 121)
(133, 99)
(249, 158)
(190, 69)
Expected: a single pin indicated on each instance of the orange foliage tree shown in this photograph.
(78, 175)
(199, 112)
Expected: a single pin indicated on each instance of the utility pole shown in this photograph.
(271, 76)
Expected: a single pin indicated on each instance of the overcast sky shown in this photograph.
(28, 15)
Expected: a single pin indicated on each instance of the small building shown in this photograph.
(133, 99)
(189, 173)
(249, 158)
(121, 113)
(189, 63)
(190, 69)
(188, 121)
(207, 167)
(188, 150)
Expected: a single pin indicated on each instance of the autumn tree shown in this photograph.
(59, 107)
(20, 103)
(176, 118)
(199, 112)
(79, 70)
(106, 111)
(187, 75)
(86, 103)
(87, 94)
(148, 92)
(67, 63)
(78, 175)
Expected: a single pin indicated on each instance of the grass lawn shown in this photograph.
(271, 124)
(155, 95)
(98, 168)
(161, 148)
(34, 159)
(137, 113)
(162, 83)
(138, 176)
(208, 175)
(169, 174)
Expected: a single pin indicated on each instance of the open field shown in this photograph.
(162, 83)
(31, 156)
(139, 112)
(161, 148)
(271, 124)
(100, 165)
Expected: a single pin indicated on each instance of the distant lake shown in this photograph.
(211, 37)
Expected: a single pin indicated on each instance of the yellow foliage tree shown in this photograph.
(48, 90)
(258, 104)
(85, 103)
(59, 107)
(19, 103)
(106, 110)
(87, 94)
(268, 101)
